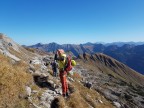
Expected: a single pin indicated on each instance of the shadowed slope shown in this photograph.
(116, 81)
(111, 66)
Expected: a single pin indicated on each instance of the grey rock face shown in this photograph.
(117, 104)
(5, 44)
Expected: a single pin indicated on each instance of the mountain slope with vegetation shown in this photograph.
(27, 83)
(97, 81)
(13, 79)
(114, 80)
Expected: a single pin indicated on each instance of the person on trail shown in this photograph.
(55, 56)
(55, 68)
(65, 65)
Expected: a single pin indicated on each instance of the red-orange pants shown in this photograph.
(64, 82)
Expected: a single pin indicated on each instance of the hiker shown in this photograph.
(65, 65)
(55, 68)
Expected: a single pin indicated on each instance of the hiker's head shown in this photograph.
(60, 52)
(73, 62)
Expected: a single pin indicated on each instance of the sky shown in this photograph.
(72, 21)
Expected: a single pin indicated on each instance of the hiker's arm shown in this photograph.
(66, 65)
(61, 58)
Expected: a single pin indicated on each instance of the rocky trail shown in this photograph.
(48, 93)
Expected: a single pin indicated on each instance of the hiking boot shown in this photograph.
(67, 94)
(64, 95)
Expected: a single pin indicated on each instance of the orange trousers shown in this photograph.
(64, 83)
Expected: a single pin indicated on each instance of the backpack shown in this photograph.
(68, 66)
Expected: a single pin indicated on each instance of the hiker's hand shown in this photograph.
(61, 58)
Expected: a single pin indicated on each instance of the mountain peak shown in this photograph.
(39, 44)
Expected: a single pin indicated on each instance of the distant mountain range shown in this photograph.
(123, 43)
(115, 43)
(129, 53)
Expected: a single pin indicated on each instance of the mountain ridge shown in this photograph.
(127, 53)
(113, 79)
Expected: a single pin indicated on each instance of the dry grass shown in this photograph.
(16, 53)
(92, 97)
(82, 97)
(76, 75)
(58, 103)
(34, 50)
(76, 101)
(23, 54)
(12, 83)
(30, 49)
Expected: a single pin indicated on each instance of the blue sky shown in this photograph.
(72, 21)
